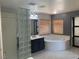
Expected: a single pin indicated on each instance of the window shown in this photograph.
(76, 26)
(44, 27)
(57, 26)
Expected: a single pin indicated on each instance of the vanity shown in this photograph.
(37, 44)
(37, 41)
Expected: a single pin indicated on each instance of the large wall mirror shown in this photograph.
(34, 23)
(34, 27)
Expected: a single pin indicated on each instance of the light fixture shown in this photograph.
(34, 16)
(55, 12)
(33, 9)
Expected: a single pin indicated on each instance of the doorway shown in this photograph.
(76, 32)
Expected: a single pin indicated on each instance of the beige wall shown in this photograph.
(8, 18)
(0, 34)
(1, 46)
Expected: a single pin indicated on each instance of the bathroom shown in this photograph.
(53, 34)
(50, 34)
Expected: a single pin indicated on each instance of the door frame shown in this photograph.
(73, 33)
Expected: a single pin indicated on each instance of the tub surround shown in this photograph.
(57, 42)
(57, 37)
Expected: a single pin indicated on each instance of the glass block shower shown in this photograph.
(23, 34)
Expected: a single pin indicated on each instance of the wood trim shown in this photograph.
(76, 26)
(76, 36)
(76, 46)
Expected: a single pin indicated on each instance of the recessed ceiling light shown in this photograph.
(55, 12)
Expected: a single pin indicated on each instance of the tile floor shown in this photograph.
(72, 53)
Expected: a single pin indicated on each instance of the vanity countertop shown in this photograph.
(36, 37)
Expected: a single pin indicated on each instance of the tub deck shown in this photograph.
(57, 42)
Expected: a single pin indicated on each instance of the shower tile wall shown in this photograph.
(24, 49)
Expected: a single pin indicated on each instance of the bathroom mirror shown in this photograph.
(34, 27)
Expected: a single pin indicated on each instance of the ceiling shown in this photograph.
(44, 6)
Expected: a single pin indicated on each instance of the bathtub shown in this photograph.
(57, 42)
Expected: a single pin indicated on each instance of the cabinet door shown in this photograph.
(37, 44)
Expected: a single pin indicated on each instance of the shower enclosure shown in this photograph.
(23, 34)
(15, 25)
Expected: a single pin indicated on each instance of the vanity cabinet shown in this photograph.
(37, 44)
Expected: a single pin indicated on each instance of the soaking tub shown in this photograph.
(57, 42)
